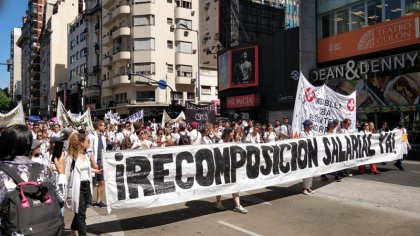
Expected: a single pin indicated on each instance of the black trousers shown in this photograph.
(85, 198)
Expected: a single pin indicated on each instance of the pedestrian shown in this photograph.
(405, 145)
(15, 146)
(331, 128)
(228, 137)
(79, 167)
(367, 131)
(307, 132)
(98, 146)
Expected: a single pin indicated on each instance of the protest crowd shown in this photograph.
(81, 150)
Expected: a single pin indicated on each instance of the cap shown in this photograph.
(35, 143)
(307, 122)
(194, 124)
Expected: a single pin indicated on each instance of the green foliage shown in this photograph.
(5, 102)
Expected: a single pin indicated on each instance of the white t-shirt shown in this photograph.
(285, 131)
(304, 134)
(269, 137)
(195, 137)
(250, 138)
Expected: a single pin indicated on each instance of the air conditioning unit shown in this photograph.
(172, 27)
(192, 13)
(194, 51)
(193, 80)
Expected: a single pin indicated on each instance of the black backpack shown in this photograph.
(32, 208)
(184, 139)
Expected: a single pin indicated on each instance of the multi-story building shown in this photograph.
(92, 88)
(15, 87)
(152, 39)
(29, 43)
(371, 47)
(76, 63)
(58, 13)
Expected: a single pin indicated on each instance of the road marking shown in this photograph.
(413, 171)
(238, 228)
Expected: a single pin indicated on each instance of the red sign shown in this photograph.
(251, 100)
(396, 33)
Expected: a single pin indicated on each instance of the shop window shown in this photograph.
(342, 21)
(412, 6)
(358, 16)
(392, 9)
(327, 25)
(374, 12)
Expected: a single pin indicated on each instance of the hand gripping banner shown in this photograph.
(163, 176)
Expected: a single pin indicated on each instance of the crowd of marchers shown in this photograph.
(73, 157)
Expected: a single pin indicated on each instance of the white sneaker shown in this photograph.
(240, 209)
(219, 206)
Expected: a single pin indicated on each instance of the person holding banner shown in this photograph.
(143, 141)
(345, 129)
(228, 137)
(269, 135)
(367, 131)
(307, 132)
(405, 146)
(254, 136)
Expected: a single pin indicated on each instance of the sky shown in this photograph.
(11, 12)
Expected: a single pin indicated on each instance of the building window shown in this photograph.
(143, 20)
(170, 44)
(342, 21)
(177, 96)
(169, 21)
(183, 24)
(184, 47)
(142, 96)
(144, 68)
(412, 6)
(170, 68)
(143, 1)
(392, 9)
(184, 70)
(169, 1)
(374, 12)
(121, 98)
(144, 44)
(184, 3)
(190, 96)
(206, 90)
(358, 16)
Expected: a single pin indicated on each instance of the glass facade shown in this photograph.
(337, 18)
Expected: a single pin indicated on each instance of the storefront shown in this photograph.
(380, 60)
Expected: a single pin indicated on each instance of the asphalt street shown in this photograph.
(386, 204)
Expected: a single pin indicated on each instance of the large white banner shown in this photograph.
(321, 105)
(163, 176)
(13, 117)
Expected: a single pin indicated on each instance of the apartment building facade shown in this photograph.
(58, 14)
(15, 87)
(155, 41)
(92, 86)
(30, 63)
(76, 63)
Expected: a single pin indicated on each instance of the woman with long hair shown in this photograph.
(79, 167)
(228, 137)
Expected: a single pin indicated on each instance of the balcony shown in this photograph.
(107, 61)
(121, 11)
(123, 31)
(106, 20)
(35, 81)
(116, 82)
(107, 40)
(184, 80)
(122, 55)
(92, 91)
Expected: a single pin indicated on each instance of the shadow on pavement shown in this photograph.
(195, 209)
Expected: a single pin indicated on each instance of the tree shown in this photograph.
(5, 102)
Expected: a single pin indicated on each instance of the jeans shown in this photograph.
(85, 198)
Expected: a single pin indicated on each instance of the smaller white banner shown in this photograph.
(321, 105)
(13, 117)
